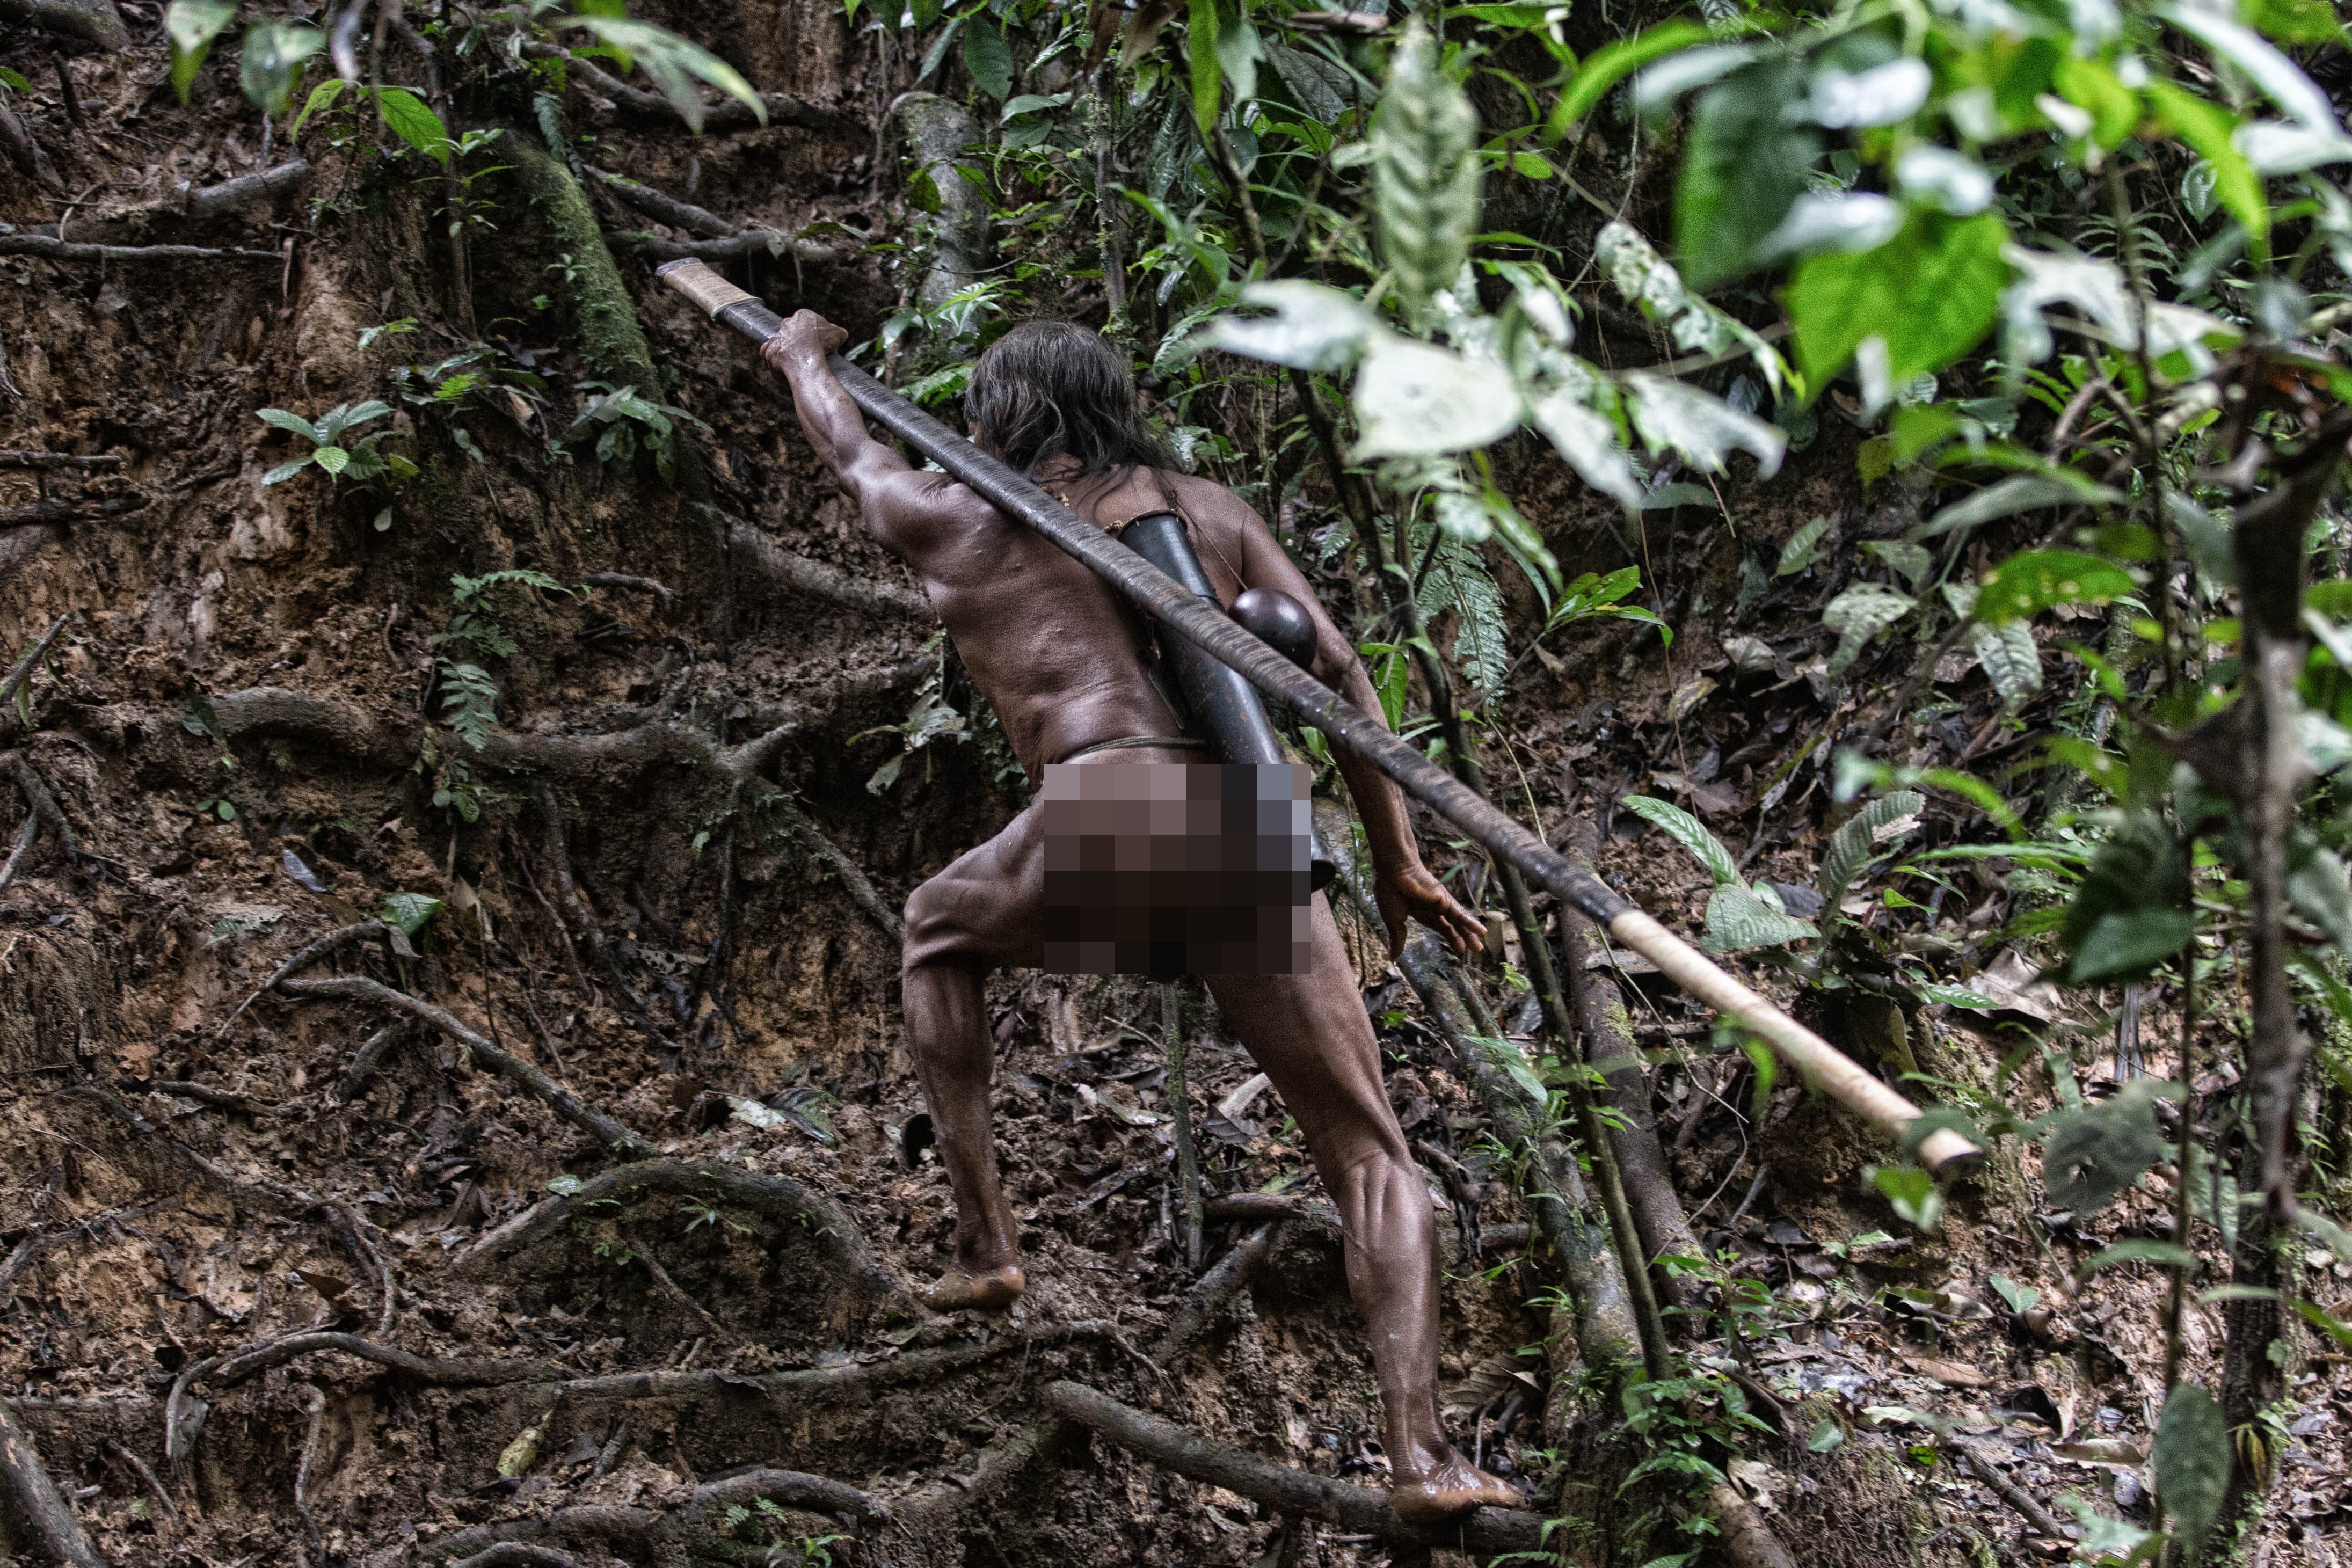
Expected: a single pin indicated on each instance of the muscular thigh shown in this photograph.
(986, 908)
(1310, 1034)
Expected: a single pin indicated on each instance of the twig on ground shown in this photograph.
(51, 249)
(778, 1197)
(679, 1293)
(369, 1057)
(625, 580)
(145, 1474)
(16, 861)
(852, 877)
(318, 1403)
(616, 1137)
(38, 1504)
(1180, 1122)
(309, 954)
(1359, 1510)
(44, 804)
(2010, 1492)
(661, 1534)
(21, 669)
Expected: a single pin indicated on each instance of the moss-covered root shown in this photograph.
(610, 338)
(930, 133)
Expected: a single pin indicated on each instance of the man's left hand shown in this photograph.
(1412, 893)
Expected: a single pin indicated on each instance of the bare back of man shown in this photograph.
(1059, 658)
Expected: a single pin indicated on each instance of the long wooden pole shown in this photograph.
(1200, 623)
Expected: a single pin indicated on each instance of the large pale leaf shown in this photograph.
(1697, 426)
(1413, 399)
(1860, 613)
(1842, 223)
(1737, 920)
(1313, 328)
(1588, 442)
(1688, 831)
(2094, 288)
(270, 63)
(1425, 171)
(2012, 661)
(2280, 79)
(1879, 95)
(2192, 1461)
(1865, 837)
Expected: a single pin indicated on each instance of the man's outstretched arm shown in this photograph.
(832, 420)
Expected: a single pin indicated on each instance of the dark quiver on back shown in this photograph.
(1225, 707)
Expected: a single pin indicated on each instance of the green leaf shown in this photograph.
(322, 99)
(1320, 88)
(1867, 836)
(676, 66)
(191, 25)
(1956, 996)
(2021, 1298)
(1425, 171)
(1698, 426)
(2018, 493)
(1827, 1437)
(1861, 613)
(270, 64)
(989, 59)
(1612, 62)
(409, 911)
(1737, 920)
(1238, 53)
(2114, 108)
(1913, 1192)
(2025, 585)
(1588, 441)
(295, 423)
(2130, 943)
(2192, 1461)
(285, 471)
(2318, 888)
(2141, 1249)
(1803, 549)
(2011, 661)
(1744, 165)
(333, 459)
(414, 123)
(1208, 73)
(2093, 1153)
(2293, 21)
(1930, 293)
(1688, 831)
(2208, 128)
(15, 80)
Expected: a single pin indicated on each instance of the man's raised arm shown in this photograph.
(831, 422)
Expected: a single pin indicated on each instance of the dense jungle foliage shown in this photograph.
(1868, 477)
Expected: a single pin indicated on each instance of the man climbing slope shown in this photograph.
(1061, 661)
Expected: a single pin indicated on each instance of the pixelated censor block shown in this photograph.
(1165, 870)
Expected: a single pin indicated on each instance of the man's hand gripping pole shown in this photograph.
(1201, 623)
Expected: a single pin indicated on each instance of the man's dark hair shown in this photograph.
(1054, 388)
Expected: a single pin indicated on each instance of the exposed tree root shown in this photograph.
(577, 912)
(612, 341)
(721, 238)
(50, 249)
(92, 21)
(22, 671)
(729, 115)
(1609, 1047)
(10, 458)
(226, 1372)
(38, 1501)
(519, 1554)
(655, 1533)
(616, 1137)
(754, 548)
(307, 954)
(25, 836)
(778, 1197)
(1485, 1532)
(852, 877)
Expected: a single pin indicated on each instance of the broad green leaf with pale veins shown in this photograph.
(1688, 831)
(191, 25)
(2025, 585)
(1737, 920)
(1931, 293)
(988, 59)
(2192, 1460)
(414, 123)
(1744, 165)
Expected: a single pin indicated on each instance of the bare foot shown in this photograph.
(1455, 1485)
(959, 1289)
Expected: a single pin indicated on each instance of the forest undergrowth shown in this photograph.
(1866, 480)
